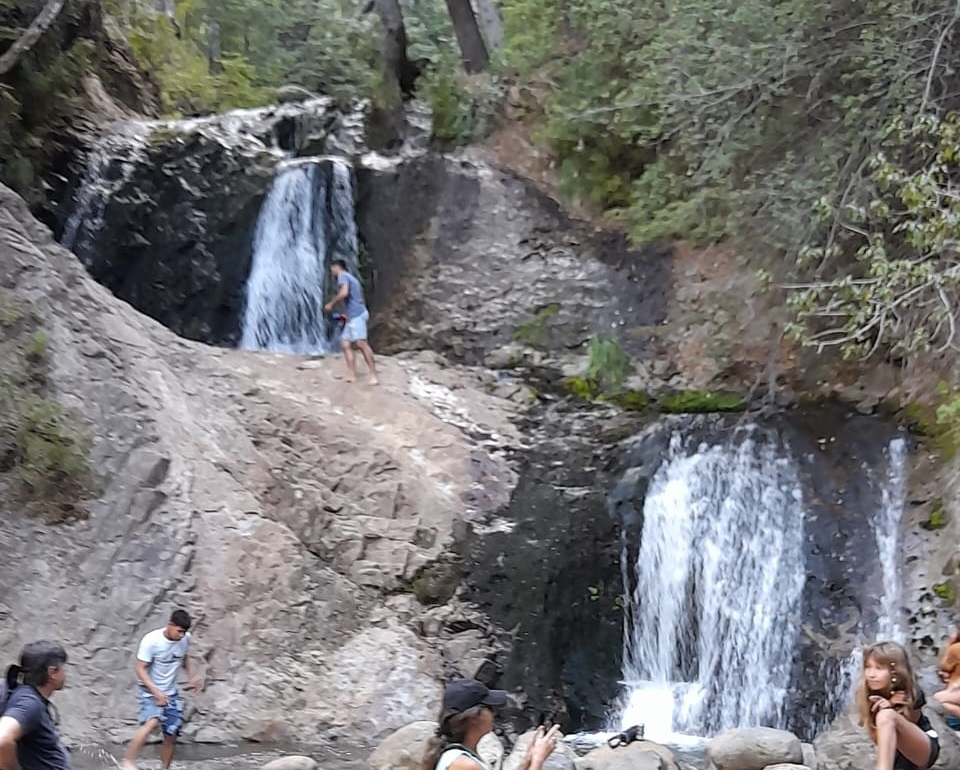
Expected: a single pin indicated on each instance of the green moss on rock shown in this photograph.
(944, 592)
(699, 401)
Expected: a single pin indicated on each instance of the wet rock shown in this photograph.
(754, 749)
(640, 755)
(171, 232)
(291, 763)
(562, 758)
(469, 260)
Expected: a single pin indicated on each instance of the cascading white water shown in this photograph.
(111, 161)
(306, 222)
(713, 624)
(886, 529)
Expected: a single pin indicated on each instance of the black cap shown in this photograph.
(463, 694)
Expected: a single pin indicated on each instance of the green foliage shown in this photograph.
(233, 53)
(898, 291)
(586, 389)
(464, 106)
(696, 401)
(536, 332)
(608, 364)
(43, 451)
(945, 592)
(938, 517)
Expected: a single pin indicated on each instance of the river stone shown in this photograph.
(809, 755)
(787, 766)
(562, 758)
(640, 755)
(404, 749)
(293, 762)
(491, 751)
(754, 748)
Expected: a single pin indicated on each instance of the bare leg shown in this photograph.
(166, 751)
(896, 733)
(348, 356)
(367, 353)
(137, 741)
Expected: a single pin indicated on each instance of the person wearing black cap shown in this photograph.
(465, 717)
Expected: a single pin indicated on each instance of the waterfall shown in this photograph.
(109, 165)
(712, 628)
(886, 528)
(306, 221)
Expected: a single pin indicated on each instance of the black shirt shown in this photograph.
(39, 747)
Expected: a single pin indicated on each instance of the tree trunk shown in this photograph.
(473, 52)
(491, 23)
(28, 39)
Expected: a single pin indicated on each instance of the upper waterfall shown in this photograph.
(306, 222)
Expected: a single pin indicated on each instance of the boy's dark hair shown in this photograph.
(180, 619)
(339, 263)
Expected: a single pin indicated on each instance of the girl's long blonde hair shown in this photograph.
(888, 655)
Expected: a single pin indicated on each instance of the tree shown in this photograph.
(473, 51)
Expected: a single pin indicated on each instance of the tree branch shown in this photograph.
(28, 39)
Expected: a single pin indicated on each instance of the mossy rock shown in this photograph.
(938, 517)
(945, 592)
(700, 402)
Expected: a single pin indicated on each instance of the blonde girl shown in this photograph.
(890, 706)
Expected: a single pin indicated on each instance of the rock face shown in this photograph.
(165, 211)
(467, 259)
(754, 749)
(286, 511)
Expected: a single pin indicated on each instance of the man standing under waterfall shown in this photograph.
(350, 293)
(161, 654)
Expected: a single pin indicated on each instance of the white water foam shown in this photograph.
(886, 529)
(306, 222)
(713, 624)
(111, 162)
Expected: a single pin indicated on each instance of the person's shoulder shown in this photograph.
(466, 762)
(23, 700)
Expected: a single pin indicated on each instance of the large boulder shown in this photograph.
(754, 748)
(292, 762)
(640, 755)
(404, 749)
(562, 758)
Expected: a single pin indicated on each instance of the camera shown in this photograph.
(628, 736)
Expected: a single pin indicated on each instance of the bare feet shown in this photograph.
(127, 765)
(373, 381)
